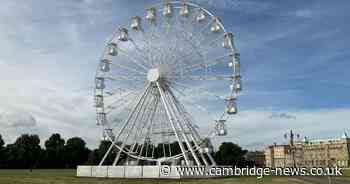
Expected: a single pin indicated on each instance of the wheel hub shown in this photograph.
(153, 75)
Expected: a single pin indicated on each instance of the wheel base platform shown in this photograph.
(135, 172)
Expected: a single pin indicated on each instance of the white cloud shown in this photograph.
(43, 67)
(14, 119)
(250, 126)
(35, 102)
(282, 116)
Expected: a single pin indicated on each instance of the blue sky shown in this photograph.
(294, 61)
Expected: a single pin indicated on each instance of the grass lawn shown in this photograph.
(68, 177)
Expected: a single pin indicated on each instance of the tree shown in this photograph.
(2, 153)
(75, 152)
(93, 158)
(96, 155)
(11, 159)
(2, 143)
(230, 154)
(25, 152)
(102, 150)
(54, 151)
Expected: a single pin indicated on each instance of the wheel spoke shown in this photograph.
(134, 60)
(204, 78)
(118, 65)
(125, 78)
(201, 64)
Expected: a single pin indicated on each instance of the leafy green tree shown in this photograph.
(230, 154)
(25, 152)
(93, 158)
(75, 152)
(11, 159)
(54, 151)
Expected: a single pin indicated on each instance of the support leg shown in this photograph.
(171, 119)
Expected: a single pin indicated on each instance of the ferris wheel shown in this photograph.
(159, 80)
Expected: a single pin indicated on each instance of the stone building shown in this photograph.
(256, 157)
(276, 155)
(310, 153)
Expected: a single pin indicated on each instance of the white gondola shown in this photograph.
(237, 56)
(112, 49)
(232, 86)
(184, 11)
(230, 64)
(105, 65)
(237, 68)
(235, 63)
(238, 83)
(201, 16)
(232, 61)
(220, 128)
(206, 146)
(108, 132)
(231, 107)
(99, 101)
(231, 110)
(101, 118)
(204, 150)
(168, 9)
(233, 57)
(100, 83)
(215, 27)
(123, 34)
(151, 14)
(228, 40)
(136, 23)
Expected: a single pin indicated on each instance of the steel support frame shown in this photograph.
(124, 125)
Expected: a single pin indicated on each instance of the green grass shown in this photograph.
(346, 172)
(68, 177)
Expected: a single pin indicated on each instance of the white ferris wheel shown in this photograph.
(159, 79)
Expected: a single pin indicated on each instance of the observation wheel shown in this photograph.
(165, 84)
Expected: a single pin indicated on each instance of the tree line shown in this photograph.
(26, 153)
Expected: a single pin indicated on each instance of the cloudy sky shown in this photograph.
(294, 62)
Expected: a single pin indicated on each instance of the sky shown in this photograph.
(294, 58)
